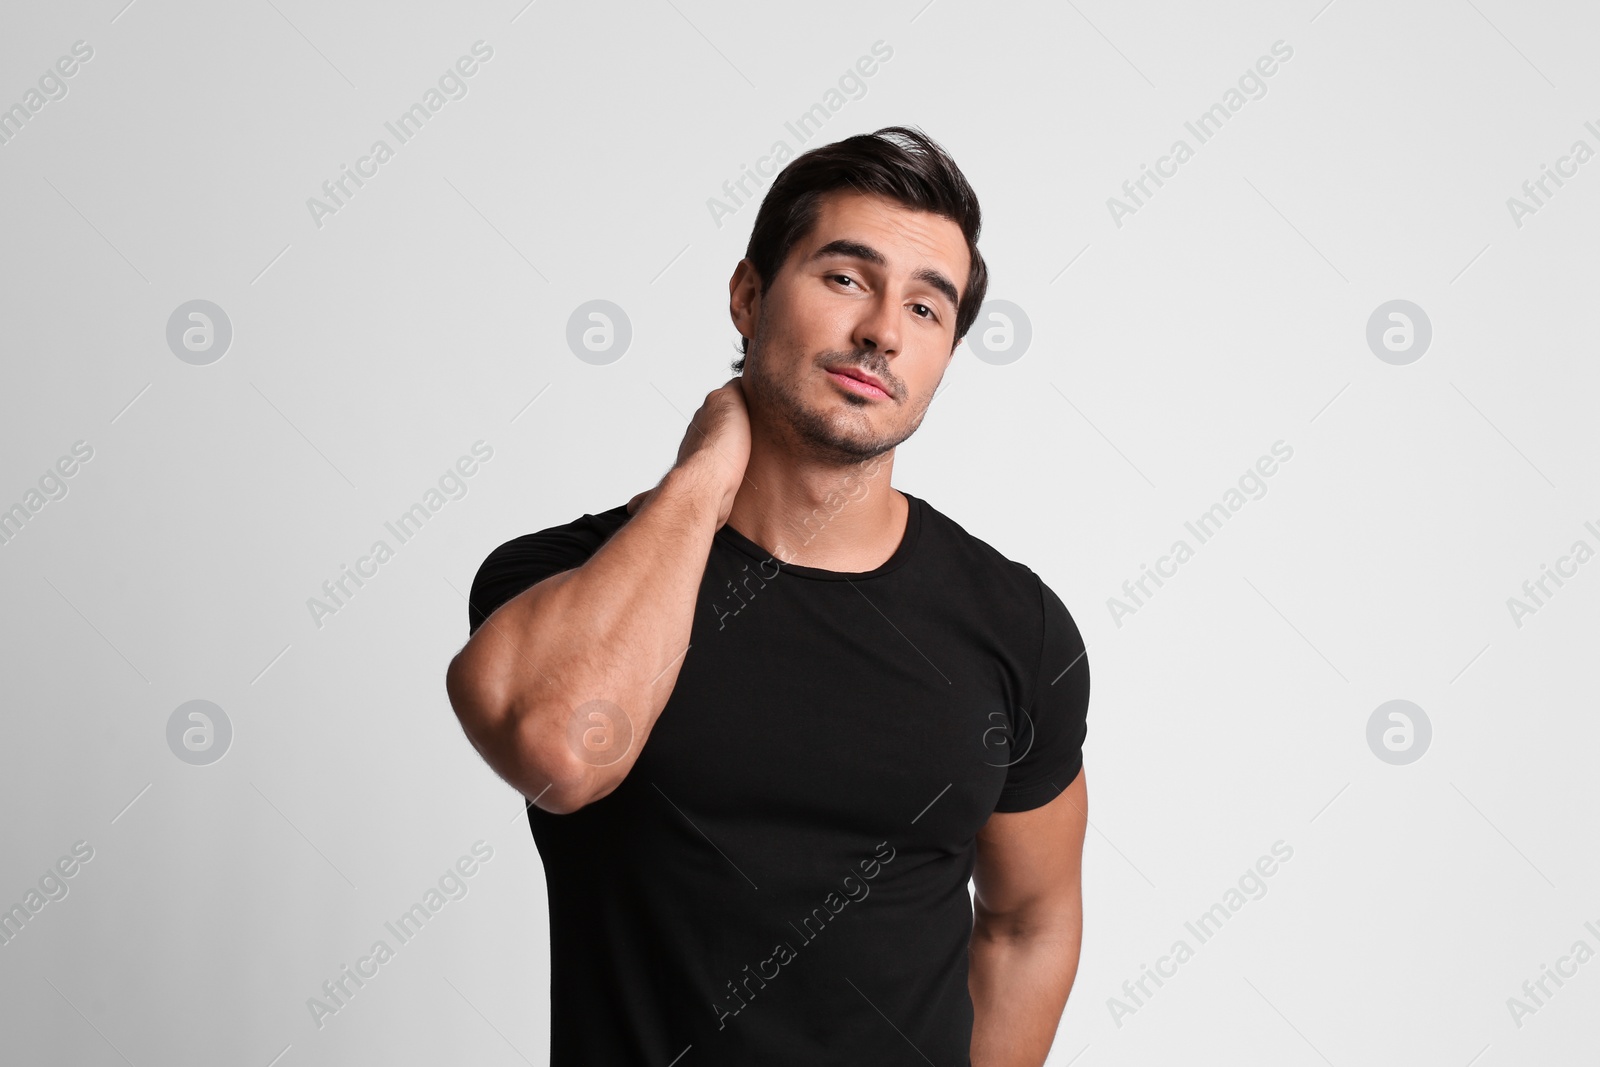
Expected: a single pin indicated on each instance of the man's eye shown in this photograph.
(845, 277)
(929, 310)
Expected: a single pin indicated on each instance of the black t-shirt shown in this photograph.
(782, 878)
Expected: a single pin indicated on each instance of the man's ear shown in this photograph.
(744, 298)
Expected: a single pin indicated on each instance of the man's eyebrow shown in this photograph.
(845, 247)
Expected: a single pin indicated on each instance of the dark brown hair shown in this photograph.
(898, 162)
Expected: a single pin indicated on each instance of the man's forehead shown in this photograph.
(879, 222)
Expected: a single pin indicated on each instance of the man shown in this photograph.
(773, 714)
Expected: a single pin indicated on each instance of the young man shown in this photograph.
(773, 714)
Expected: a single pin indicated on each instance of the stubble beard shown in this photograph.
(806, 431)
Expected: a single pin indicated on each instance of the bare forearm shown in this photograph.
(1019, 983)
(612, 630)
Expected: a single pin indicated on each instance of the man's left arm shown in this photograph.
(1027, 927)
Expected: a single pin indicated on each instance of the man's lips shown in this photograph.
(859, 381)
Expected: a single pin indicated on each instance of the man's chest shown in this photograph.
(858, 709)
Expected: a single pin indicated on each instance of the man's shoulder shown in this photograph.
(587, 528)
(530, 558)
(1009, 593)
(972, 554)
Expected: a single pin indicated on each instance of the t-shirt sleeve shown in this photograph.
(527, 560)
(1048, 748)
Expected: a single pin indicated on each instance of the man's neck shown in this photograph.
(814, 514)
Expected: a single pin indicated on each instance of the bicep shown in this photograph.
(1029, 863)
(480, 672)
(484, 619)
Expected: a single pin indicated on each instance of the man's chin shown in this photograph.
(846, 449)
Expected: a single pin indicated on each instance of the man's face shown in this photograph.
(872, 290)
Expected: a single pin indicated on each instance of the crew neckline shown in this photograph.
(908, 542)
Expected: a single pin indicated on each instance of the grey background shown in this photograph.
(1166, 355)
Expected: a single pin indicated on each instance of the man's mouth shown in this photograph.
(859, 382)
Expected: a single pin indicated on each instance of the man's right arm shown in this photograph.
(613, 630)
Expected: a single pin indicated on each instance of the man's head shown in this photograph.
(863, 259)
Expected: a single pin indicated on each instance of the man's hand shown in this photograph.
(716, 446)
